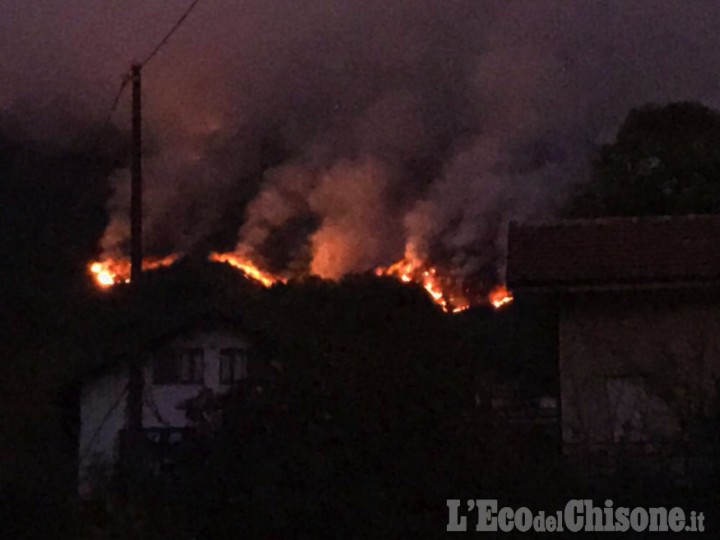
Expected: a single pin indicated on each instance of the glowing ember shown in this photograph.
(411, 269)
(104, 276)
(500, 296)
(247, 267)
(443, 290)
(109, 272)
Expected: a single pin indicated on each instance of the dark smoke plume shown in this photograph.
(418, 125)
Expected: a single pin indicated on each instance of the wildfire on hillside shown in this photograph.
(500, 296)
(109, 272)
(412, 270)
(246, 266)
(443, 291)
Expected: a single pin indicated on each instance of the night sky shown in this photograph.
(360, 126)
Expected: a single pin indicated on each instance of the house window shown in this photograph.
(179, 366)
(233, 365)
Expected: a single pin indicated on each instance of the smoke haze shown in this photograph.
(338, 134)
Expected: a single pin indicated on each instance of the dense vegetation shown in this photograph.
(665, 160)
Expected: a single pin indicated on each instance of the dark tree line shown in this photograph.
(665, 160)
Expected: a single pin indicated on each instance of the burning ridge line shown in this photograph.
(109, 272)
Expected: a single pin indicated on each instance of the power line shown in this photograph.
(108, 117)
(127, 77)
(116, 100)
(85, 453)
(171, 32)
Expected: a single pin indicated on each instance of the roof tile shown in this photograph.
(614, 251)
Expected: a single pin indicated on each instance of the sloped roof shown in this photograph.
(132, 343)
(614, 252)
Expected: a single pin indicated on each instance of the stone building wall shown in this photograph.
(639, 371)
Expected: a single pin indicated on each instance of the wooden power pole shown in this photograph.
(136, 187)
(135, 367)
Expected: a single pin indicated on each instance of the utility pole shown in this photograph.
(136, 187)
(135, 367)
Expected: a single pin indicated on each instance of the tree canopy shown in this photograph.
(664, 161)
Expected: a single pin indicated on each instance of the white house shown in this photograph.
(181, 368)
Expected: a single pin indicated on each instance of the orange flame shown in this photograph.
(500, 296)
(412, 270)
(246, 266)
(109, 272)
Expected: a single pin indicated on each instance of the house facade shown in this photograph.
(638, 333)
(182, 373)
